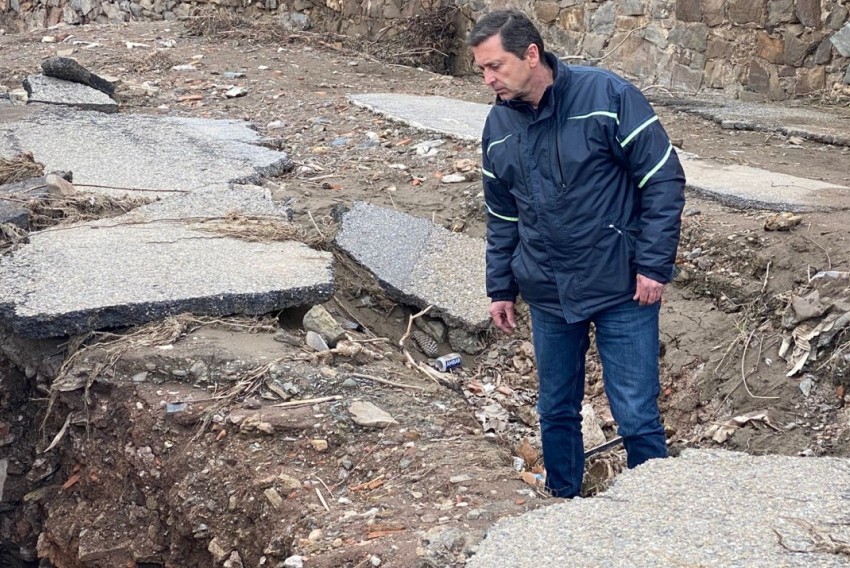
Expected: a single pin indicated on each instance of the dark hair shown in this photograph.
(514, 27)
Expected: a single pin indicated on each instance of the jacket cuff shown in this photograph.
(656, 275)
(503, 296)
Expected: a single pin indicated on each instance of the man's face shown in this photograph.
(505, 73)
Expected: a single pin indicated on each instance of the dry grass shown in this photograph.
(265, 229)
(20, 168)
(54, 209)
(424, 40)
(10, 237)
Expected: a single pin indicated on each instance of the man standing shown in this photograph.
(584, 193)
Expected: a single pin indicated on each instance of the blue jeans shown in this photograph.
(627, 339)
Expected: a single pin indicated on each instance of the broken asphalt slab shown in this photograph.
(709, 508)
(145, 152)
(456, 118)
(763, 190)
(53, 91)
(419, 263)
(736, 186)
(68, 69)
(106, 274)
(829, 127)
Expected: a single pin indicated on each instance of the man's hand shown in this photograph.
(648, 291)
(503, 315)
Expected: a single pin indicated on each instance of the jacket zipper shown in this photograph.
(616, 229)
(560, 176)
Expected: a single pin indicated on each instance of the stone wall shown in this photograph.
(752, 49)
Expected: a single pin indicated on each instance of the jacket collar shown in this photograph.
(561, 80)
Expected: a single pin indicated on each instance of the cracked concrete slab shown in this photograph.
(146, 152)
(53, 91)
(108, 274)
(419, 263)
(803, 121)
(734, 185)
(710, 508)
(453, 117)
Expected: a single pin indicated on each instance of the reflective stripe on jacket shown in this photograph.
(582, 194)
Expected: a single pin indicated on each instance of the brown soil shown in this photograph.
(130, 484)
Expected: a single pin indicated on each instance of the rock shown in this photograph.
(274, 497)
(319, 445)
(591, 430)
(368, 415)
(285, 337)
(458, 479)
(219, 553)
(60, 184)
(434, 328)
(69, 70)
(320, 321)
(782, 222)
(464, 341)
(293, 562)
(234, 561)
(316, 342)
(841, 40)
(288, 482)
(315, 534)
(53, 91)
(235, 92)
(232, 75)
(453, 178)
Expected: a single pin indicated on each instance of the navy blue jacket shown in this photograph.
(583, 193)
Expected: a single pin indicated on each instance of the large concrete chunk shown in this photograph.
(53, 91)
(108, 274)
(713, 509)
(742, 186)
(144, 152)
(419, 262)
(453, 117)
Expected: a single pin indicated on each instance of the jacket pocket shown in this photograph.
(603, 255)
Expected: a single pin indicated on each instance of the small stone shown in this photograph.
(375, 561)
(316, 342)
(235, 92)
(453, 178)
(140, 377)
(694, 254)
(234, 561)
(285, 337)
(473, 515)
(691, 211)
(294, 562)
(462, 340)
(315, 535)
(230, 75)
(368, 415)
(263, 67)
(349, 384)
(328, 373)
(288, 482)
(48, 39)
(184, 67)
(319, 320)
(274, 497)
(66, 52)
(218, 552)
(319, 445)
(456, 479)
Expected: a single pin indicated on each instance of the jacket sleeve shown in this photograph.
(502, 230)
(656, 172)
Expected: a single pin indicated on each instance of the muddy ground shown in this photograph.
(237, 481)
